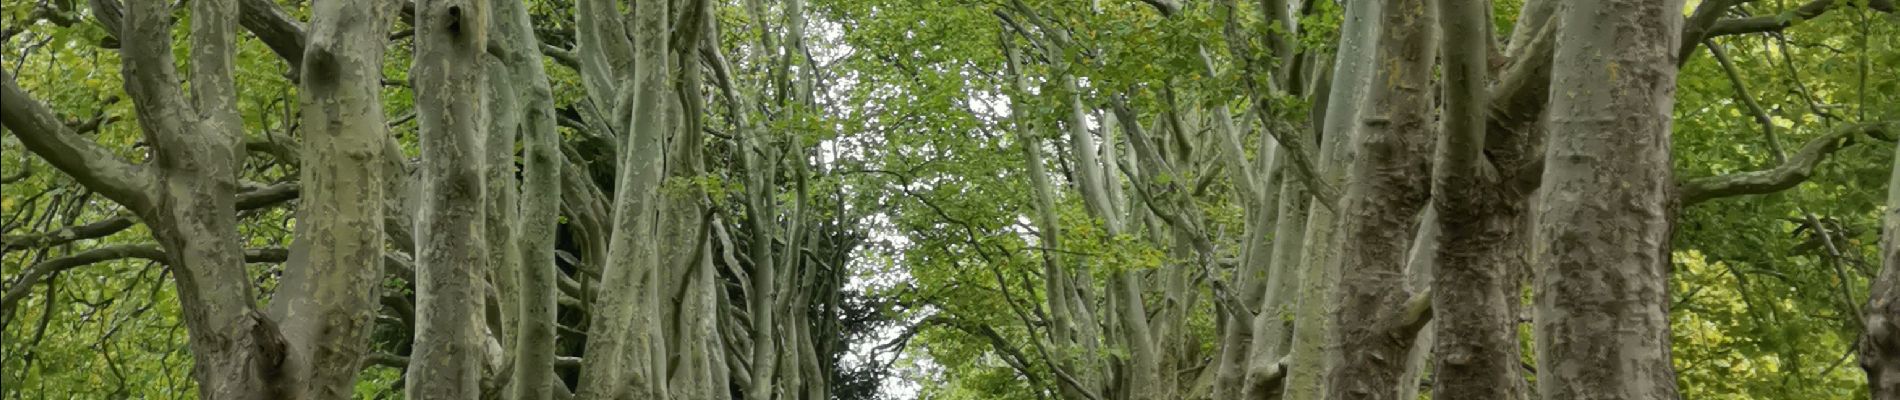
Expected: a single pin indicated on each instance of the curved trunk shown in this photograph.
(536, 274)
(620, 340)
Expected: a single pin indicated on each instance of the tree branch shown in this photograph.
(92, 165)
(276, 29)
(1706, 21)
(259, 198)
(1783, 20)
(67, 234)
(149, 251)
(1783, 176)
(1167, 8)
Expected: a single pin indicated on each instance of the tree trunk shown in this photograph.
(500, 212)
(1386, 188)
(537, 274)
(1352, 82)
(1604, 218)
(196, 144)
(620, 338)
(1273, 326)
(328, 297)
(1475, 286)
(1880, 344)
(450, 41)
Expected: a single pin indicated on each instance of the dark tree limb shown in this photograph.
(1783, 20)
(67, 234)
(149, 251)
(283, 34)
(1706, 21)
(94, 166)
(1781, 177)
(1167, 8)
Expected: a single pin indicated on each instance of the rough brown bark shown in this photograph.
(1387, 185)
(1474, 284)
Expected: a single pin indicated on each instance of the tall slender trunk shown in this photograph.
(500, 189)
(537, 276)
(620, 338)
(327, 302)
(450, 38)
(1273, 326)
(1352, 82)
(1604, 216)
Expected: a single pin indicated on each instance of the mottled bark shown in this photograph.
(328, 303)
(685, 246)
(196, 144)
(500, 191)
(451, 252)
(620, 337)
(1603, 219)
(537, 275)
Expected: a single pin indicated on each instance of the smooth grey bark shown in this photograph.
(606, 58)
(1256, 278)
(1266, 362)
(1386, 187)
(757, 351)
(685, 248)
(620, 338)
(1352, 82)
(451, 36)
(1419, 269)
(1880, 344)
(501, 190)
(1058, 288)
(1604, 215)
(1261, 206)
(328, 304)
(540, 204)
(1144, 364)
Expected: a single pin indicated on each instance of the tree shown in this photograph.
(1604, 216)
(1879, 344)
(1026, 199)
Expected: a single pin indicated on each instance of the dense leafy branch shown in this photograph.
(1781, 177)
(92, 165)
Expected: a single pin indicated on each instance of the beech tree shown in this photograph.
(1017, 199)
